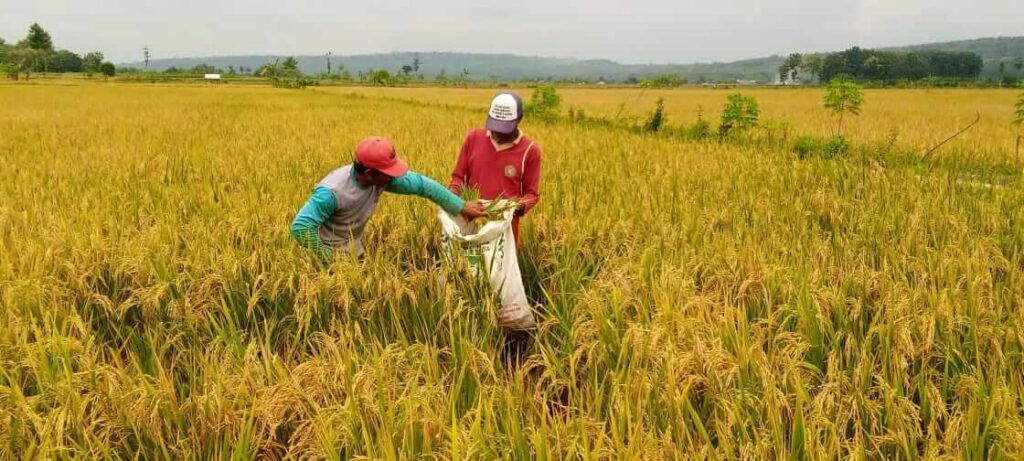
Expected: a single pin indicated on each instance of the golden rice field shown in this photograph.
(700, 300)
(920, 118)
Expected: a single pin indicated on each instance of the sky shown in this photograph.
(635, 31)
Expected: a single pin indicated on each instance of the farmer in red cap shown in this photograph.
(334, 217)
(500, 161)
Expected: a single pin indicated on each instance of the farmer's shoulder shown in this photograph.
(337, 178)
(476, 134)
(533, 147)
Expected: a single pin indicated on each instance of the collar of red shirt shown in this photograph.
(509, 145)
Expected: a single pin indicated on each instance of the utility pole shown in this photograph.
(145, 55)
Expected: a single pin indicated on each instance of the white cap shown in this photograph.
(505, 113)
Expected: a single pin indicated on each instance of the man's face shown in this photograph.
(504, 137)
(378, 179)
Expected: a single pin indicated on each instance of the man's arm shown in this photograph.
(531, 180)
(461, 171)
(320, 206)
(413, 183)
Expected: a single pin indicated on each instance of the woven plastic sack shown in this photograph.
(491, 252)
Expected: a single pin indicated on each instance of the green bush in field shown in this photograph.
(657, 118)
(700, 129)
(740, 114)
(808, 146)
(297, 83)
(545, 102)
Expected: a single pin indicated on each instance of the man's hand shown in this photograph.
(472, 210)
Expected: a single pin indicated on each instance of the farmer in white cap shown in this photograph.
(500, 160)
(502, 163)
(341, 204)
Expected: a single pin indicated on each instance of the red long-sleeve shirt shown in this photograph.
(510, 172)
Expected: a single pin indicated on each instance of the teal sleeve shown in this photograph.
(320, 206)
(413, 183)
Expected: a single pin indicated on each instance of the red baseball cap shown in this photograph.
(379, 154)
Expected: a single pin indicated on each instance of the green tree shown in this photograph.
(740, 114)
(842, 97)
(27, 60)
(381, 77)
(91, 62)
(38, 39)
(290, 64)
(204, 68)
(663, 81)
(812, 66)
(10, 69)
(794, 61)
(65, 61)
(107, 69)
(270, 69)
(783, 72)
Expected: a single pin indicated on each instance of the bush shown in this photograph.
(700, 129)
(107, 69)
(657, 118)
(740, 114)
(381, 77)
(807, 146)
(545, 102)
(663, 81)
(10, 70)
(297, 83)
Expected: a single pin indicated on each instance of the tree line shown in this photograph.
(870, 65)
(36, 53)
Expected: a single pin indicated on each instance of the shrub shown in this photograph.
(740, 114)
(10, 70)
(381, 77)
(701, 129)
(297, 83)
(657, 118)
(807, 146)
(663, 81)
(545, 102)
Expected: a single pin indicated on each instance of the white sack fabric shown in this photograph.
(496, 246)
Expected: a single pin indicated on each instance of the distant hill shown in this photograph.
(512, 67)
(484, 66)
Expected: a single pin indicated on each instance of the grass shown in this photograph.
(701, 300)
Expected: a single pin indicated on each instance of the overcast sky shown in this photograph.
(632, 31)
